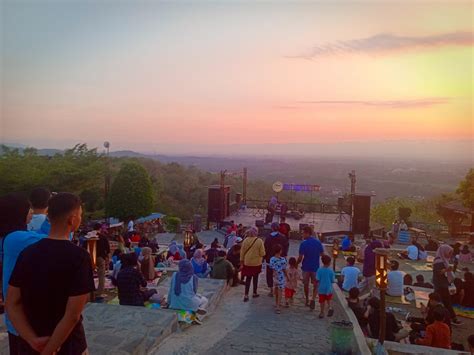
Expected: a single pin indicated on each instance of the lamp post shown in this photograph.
(188, 240)
(107, 178)
(381, 283)
(335, 253)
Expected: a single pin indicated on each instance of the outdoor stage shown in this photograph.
(322, 222)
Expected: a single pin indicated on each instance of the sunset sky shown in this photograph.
(176, 76)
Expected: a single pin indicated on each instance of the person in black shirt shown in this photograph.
(131, 283)
(50, 285)
(393, 332)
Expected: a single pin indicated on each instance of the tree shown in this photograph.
(466, 190)
(131, 194)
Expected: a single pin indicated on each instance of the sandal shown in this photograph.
(321, 315)
(312, 305)
(330, 312)
(278, 311)
(246, 298)
(256, 295)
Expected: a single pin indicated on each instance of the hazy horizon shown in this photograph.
(362, 79)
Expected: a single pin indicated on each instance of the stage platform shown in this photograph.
(322, 222)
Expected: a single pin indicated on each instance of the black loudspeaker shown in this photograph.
(217, 206)
(361, 215)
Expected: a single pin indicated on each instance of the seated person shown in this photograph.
(175, 251)
(347, 245)
(211, 253)
(355, 305)
(144, 242)
(438, 334)
(147, 264)
(465, 255)
(183, 290)
(422, 254)
(411, 253)
(420, 282)
(458, 297)
(350, 275)
(131, 284)
(393, 331)
(222, 268)
(199, 263)
(432, 245)
(407, 280)
(233, 255)
(434, 303)
(361, 251)
(395, 280)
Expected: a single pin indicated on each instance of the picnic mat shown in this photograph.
(108, 283)
(421, 297)
(422, 267)
(396, 299)
(115, 301)
(466, 312)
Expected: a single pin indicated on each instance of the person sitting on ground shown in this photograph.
(420, 282)
(212, 252)
(407, 280)
(175, 251)
(395, 280)
(147, 264)
(325, 276)
(438, 334)
(354, 303)
(131, 284)
(403, 225)
(233, 255)
(347, 245)
(411, 253)
(228, 237)
(222, 268)
(465, 254)
(361, 251)
(200, 266)
(183, 294)
(432, 245)
(422, 254)
(233, 240)
(144, 242)
(350, 275)
(116, 265)
(39, 198)
(419, 324)
(393, 331)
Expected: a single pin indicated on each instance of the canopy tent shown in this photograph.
(149, 218)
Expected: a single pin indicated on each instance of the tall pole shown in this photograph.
(352, 176)
(107, 178)
(222, 197)
(244, 187)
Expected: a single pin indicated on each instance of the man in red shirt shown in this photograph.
(438, 334)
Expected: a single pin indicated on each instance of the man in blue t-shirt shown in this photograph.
(311, 250)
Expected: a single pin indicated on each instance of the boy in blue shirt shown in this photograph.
(325, 277)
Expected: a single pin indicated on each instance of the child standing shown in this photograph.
(278, 265)
(293, 276)
(325, 276)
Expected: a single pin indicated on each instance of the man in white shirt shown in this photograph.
(395, 280)
(39, 198)
(350, 275)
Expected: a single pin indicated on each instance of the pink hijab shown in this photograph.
(443, 255)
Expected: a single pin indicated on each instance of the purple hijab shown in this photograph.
(185, 273)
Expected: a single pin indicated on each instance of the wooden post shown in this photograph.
(244, 187)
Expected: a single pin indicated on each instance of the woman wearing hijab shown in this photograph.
(199, 263)
(443, 276)
(147, 264)
(173, 251)
(183, 290)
